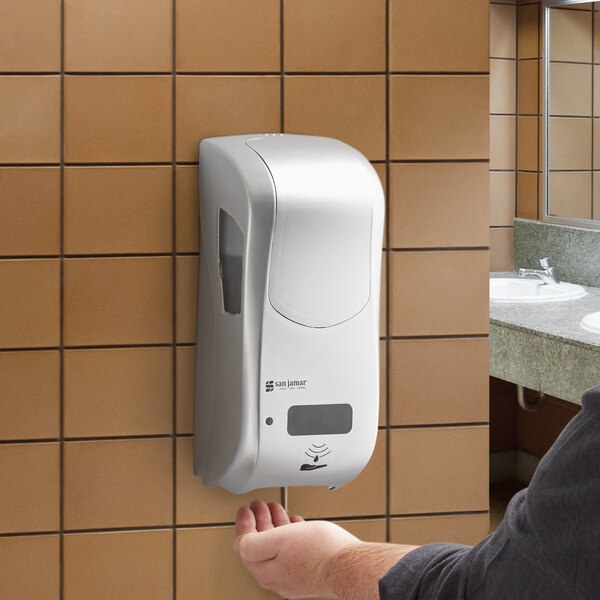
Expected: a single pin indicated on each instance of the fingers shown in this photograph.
(262, 515)
(278, 515)
(296, 519)
(257, 547)
(244, 523)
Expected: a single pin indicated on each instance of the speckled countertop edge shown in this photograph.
(553, 320)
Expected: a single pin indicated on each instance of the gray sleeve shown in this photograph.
(432, 567)
(546, 547)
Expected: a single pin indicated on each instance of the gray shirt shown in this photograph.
(546, 548)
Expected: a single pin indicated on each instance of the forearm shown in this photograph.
(354, 572)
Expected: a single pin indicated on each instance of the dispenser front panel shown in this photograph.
(319, 272)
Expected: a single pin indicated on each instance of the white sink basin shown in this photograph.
(508, 289)
(591, 322)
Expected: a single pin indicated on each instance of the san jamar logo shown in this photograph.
(285, 384)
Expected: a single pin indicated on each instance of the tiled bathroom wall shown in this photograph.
(503, 132)
(102, 105)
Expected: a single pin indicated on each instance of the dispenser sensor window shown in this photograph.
(231, 260)
(319, 419)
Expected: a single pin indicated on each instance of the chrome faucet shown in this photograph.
(548, 275)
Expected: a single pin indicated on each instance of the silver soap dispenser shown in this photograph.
(287, 372)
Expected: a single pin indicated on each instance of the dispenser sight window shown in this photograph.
(319, 419)
(231, 261)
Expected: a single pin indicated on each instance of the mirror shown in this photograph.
(572, 112)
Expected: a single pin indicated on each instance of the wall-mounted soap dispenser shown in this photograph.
(287, 373)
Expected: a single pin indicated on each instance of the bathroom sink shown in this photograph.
(508, 289)
(591, 322)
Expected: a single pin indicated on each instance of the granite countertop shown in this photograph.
(553, 320)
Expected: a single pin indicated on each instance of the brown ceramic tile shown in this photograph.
(430, 36)
(122, 483)
(596, 197)
(570, 143)
(501, 249)
(596, 88)
(355, 43)
(118, 301)
(187, 298)
(207, 567)
(439, 117)
(447, 468)
(381, 170)
(228, 36)
(503, 31)
(502, 198)
(439, 293)
(596, 41)
(382, 383)
(30, 36)
(528, 195)
(503, 86)
(565, 79)
(124, 565)
(570, 195)
(595, 139)
(118, 391)
(438, 205)
(186, 374)
(529, 34)
(367, 530)
(529, 87)
(365, 495)
(30, 211)
(29, 495)
(186, 206)
(30, 119)
(213, 106)
(118, 35)
(528, 143)
(457, 394)
(457, 529)
(199, 504)
(502, 142)
(112, 210)
(30, 395)
(383, 297)
(29, 303)
(349, 108)
(30, 567)
(571, 38)
(118, 119)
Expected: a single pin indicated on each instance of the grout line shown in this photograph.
(443, 249)
(459, 336)
(174, 284)
(95, 256)
(439, 426)
(387, 272)
(61, 309)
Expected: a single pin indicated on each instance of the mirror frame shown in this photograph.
(547, 218)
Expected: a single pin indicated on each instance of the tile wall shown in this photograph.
(102, 105)
(503, 132)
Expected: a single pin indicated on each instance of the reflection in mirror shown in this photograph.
(572, 111)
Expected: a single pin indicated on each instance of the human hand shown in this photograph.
(286, 554)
